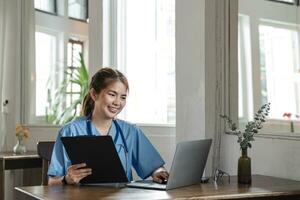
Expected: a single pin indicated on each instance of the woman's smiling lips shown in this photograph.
(113, 109)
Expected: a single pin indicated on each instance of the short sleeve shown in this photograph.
(145, 159)
(59, 159)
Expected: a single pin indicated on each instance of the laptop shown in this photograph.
(100, 154)
(187, 168)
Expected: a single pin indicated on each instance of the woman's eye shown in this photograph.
(111, 94)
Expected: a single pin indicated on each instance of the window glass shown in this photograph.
(145, 52)
(45, 66)
(45, 5)
(280, 75)
(78, 9)
(73, 90)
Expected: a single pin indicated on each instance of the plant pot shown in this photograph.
(244, 168)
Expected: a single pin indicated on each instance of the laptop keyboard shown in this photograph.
(147, 184)
(150, 182)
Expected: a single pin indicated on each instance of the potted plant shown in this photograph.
(57, 113)
(245, 138)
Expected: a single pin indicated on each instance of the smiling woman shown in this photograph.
(107, 95)
(111, 100)
(104, 101)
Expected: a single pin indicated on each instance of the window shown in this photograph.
(58, 42)
(73, 90)
(46, 56)
(269, 64)
(78, 9)
(280, 75)
(142, 45)
(46, 5)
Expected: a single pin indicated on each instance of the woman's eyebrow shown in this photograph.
(112, 91)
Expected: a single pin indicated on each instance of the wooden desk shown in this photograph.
(263, 187)
(10, 161)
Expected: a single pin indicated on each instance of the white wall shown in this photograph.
(269, 156)
(190, 69)
(261, 9)
(196, 76)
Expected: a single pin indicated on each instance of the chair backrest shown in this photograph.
(44, 150)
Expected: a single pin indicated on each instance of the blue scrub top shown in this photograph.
(141, 153)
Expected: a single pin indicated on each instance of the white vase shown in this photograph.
(20, 147)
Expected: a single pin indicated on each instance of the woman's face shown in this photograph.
(110, 101)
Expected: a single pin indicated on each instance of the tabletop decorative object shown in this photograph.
(22, 132)
(289, 116)
(245, 138)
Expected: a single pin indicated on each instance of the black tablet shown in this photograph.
(99, 153)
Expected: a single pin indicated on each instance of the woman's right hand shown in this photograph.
(77, 172)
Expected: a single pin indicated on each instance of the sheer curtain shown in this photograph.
(9, 61)
(2, 123)
(16, 54)
(2, 36)
(225, 48)
(17, 27)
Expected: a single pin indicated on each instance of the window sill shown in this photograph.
(276, 129)
(278, 135)
(156, 125)
(138, 124)
(43, 126)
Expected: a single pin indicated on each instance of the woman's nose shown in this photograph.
(116, 101)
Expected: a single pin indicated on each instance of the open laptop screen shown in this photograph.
(187, 167)
(99, 153)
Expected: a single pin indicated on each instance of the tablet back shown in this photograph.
(99, 153)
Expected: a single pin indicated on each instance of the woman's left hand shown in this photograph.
(160, 175)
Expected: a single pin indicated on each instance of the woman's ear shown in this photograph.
(93, 94)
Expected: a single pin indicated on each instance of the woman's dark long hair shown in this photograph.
(101, 79)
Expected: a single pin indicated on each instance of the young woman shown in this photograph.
(105, 100)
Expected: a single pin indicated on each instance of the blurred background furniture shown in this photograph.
(44, 150)
(28, 161)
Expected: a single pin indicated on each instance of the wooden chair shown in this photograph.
(44, 150)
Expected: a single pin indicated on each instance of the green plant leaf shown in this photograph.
(252, 127)
(58, 113)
